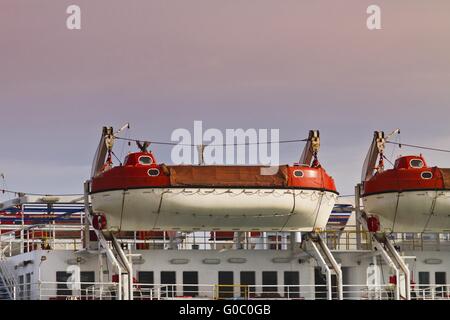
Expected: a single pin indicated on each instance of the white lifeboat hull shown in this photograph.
(411, 211)
(191, 209)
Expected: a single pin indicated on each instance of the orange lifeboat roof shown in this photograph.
(409, 173)
(410, 162)
(140, 170)
(140, 159)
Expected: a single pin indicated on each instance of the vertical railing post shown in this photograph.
(357, 215)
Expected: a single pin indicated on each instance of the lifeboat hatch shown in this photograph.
(410, 162)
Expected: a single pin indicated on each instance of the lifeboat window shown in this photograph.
(146, 160)
(153, 172)
(426, 175)
(416, 163)
(298, 173)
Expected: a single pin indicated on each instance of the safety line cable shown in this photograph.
(38, 194)
(418, 147)
(212, 145)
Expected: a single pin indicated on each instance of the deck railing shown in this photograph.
(46, 290)
(16, 239)
(265, 292)
(430, 292)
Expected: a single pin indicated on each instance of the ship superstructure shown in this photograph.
(50, 251)
(61, 247)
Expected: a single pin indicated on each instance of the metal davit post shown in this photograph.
(326, 260)
(101, 238)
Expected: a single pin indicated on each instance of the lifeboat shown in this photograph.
(143, 194)
(410, 197)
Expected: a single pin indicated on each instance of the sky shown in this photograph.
(291, 65)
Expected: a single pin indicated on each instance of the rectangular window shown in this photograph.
(320, 284)
(270, 281)
(21, 287)
(146, 281)
(190, 281)
(424, 279)
(226, 282)
(28, 285)
(168, 281)
(291, 284)
(146, 277)
(61, 288)
(247, 284)
(87, 278)
(440, 279)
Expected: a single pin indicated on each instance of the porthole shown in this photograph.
(416, 163)
(298, 173)
(426, 175)
(145, 160)
(153, 172)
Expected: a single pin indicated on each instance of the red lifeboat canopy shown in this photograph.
(138, 159)
(410, 162)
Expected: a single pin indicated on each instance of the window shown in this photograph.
(61, 288)
(416, 163)
(146, 277)
(291, 284)
(226, 282)
(440, 281)
(247, 284)
(298, 173)
(153, 172)
(145, 160)
(168, 281)
(190, 281)
(269, 279)
(87, 276)
(21, 287)
(320, 282)
(426, 175)
(28, 286)
(146, 282)
(424, 279)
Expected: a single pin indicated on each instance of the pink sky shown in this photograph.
(293, 65)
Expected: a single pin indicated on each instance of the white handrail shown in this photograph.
(109, 290)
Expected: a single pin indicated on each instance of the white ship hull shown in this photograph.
(411, 211)
(193, 209)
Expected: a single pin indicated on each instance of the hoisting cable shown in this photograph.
(38, 194)
(16, 193)
(116, 157)
(385, 158)
(213, 145)
(418, 147)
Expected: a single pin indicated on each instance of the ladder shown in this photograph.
(384, 247)
(390, 254)
(316, 245)
(8, 282)
(4, 292)
(114, 252)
